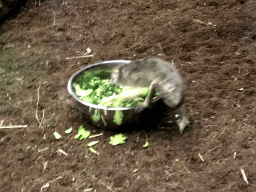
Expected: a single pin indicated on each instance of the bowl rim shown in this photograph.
(72, 93)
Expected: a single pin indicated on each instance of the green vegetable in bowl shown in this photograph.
(94, 87)
(127, 98)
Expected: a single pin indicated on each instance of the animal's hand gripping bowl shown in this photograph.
(104, 117)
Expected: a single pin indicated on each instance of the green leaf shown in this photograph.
(82, 133)
(96, 116)
(68, 130)
(118, 118)
(146, 144)
(57, 135)
(92, 143)
(117, 139)
(93, 151)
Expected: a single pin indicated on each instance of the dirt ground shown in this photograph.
(211, 42)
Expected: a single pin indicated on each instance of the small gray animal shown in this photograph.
(160, 76)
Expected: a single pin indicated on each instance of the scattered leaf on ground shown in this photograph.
(117, 139)
(93, 151)
(92, 143)
(68, 130)
(146, 144)
(82, 133)
(57, 135)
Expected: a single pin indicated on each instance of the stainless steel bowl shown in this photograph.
(105, 117)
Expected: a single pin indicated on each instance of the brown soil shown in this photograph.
(211, 42)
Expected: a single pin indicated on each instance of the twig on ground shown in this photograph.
(1, 122)
(89, 189)
(45, 165)
(44, 149)
(201, 157)
(13, 126)
(38, 99)
(201, 22)
(37, 104)
(54, 18)
(63, 152)
(42, 118)
(97, 135)
(47, 184)
(223, 131)
(244, 176)
(83, 56)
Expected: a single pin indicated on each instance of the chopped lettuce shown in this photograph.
(82, 133)
(117, 139)
(56, 135)
(94, 87)
(68, 130)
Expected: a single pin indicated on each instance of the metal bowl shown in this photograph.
(100, 116)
